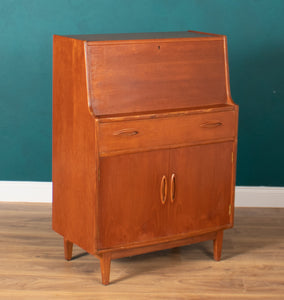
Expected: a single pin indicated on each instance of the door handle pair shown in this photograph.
(164, 188)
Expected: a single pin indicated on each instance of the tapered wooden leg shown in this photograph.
(68, 247)
(105, 261)
(217, 244)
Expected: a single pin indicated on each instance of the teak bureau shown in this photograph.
(144, 142)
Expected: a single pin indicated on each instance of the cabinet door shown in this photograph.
(129, 205)
(203, 185)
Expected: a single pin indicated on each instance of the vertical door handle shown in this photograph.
(173, 187)
(163, 189)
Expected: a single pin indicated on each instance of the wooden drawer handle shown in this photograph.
(163, 189)
(126, 132)
(173, 187)
(211, 124)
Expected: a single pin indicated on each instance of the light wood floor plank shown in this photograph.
(32, 264)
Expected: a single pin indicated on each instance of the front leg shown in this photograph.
(105, 260)
(217, 244)
(68, 247)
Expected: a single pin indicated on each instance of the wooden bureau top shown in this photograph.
(142, 36)
(134, 73)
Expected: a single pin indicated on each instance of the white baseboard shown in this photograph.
(31, 191)
(259, 196)
(26, 191)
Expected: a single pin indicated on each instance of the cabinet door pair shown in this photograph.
(131, 187)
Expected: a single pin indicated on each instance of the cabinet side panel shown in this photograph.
(73, 160)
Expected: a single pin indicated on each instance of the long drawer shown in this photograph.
(125, 136)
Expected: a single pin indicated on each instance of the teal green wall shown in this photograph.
(255, 31)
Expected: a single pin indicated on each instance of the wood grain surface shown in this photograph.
(32, 264)
(142, 36)
(140, 217)
(203, 187)
(126, 78)
(128, 135)
(73, 147)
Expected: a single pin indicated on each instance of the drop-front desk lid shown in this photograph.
(150, 72)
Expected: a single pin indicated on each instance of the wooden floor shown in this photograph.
(32, 264)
